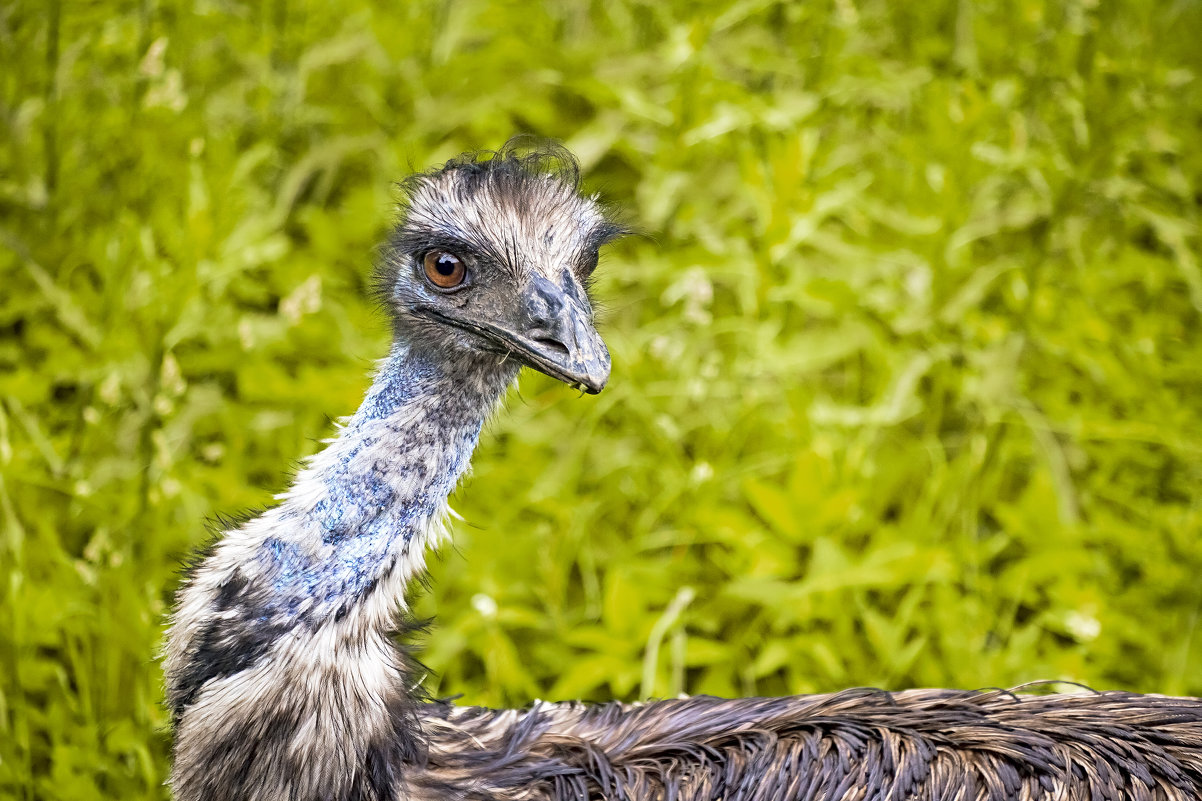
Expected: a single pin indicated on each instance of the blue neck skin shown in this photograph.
(366, 502)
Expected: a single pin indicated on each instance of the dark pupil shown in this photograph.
(445, 265)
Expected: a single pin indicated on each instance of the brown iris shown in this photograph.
(445, 270)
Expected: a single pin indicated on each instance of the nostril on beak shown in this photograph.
(552, 345)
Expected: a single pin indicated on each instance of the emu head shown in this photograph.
(493, 257)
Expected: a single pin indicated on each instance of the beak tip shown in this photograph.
(599, 375)
(555, 335)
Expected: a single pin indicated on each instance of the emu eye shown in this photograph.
(589, 262)
(445, 270)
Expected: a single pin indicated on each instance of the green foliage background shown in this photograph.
(907, 384)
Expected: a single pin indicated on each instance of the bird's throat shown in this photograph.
(368, 506)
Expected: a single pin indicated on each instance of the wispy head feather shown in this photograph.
(499, 204)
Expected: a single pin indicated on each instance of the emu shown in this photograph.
(282, 676)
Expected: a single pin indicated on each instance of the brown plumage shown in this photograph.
(283, 678)
(857, 745)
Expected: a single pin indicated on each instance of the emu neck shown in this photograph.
(281, 673)
(370, 503)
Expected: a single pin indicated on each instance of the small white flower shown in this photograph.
(484, 604)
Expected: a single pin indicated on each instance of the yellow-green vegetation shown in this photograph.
(907, 383)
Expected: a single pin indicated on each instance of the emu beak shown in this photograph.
(546, 327)
(555, 334)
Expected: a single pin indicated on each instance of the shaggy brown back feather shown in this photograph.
(857, 745)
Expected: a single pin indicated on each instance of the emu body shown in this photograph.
(861, 745)
(283, 678)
